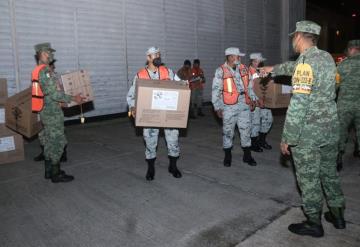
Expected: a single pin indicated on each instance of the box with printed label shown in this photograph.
(162, 103)
(19, 116)
(11, 146)
(75, 83)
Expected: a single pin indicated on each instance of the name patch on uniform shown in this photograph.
(303, 79)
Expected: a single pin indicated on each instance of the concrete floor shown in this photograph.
(111, 204)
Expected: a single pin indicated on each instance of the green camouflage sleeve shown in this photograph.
(286, 68)
(49, 88)
(131, 94)
(344, 69)
(217, 89)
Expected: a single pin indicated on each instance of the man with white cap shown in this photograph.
(154, 70)
(261, 117)
(232, 98)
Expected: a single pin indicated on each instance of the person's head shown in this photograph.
(256, 59)
(353, 47)
(52, 65)
(187, 64)
(44, 53)
(153, 56)
(306, 35)
(196, 63)
(233, 56)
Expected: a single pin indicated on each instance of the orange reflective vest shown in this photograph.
(230, 92)
(163, 74)
(37, 95)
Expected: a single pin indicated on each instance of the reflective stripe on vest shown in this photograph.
(37, 95)
(230, 92)
(163, 74)
(244, 73)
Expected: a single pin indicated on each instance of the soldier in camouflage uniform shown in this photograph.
(311, 130)
(237, 112)
(52, 118)
(41, 157)
(151, 135)
(261, 117)
(349, 97)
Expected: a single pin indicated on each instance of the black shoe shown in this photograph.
(248, 158)
(307, 228)
(262, 141)
(150, 174)
(356, 153)
(337, 221)
(173, 168)
(64, 155)
(228, 157)
(59, 176)
(255, 145)
(200, 113)
(41, 156)
(339, 162)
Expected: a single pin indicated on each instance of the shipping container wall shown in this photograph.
(109, 38)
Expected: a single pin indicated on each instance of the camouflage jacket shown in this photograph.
(349, 71)
(52, 95)
(311, 118)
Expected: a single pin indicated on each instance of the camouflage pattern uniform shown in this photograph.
(349, 96)
(151, 135)
(311, 130)
(238, 114)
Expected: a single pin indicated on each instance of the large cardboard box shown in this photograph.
(18, 114)
(75, 83)
(11, 146)
(274, 95)
(162, 103)
(3, 91)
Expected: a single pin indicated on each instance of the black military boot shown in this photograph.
(339, 162)
(356, 152)
(59, 176)
(41, 156)
(255, 145)
(262, 141)
(228, 157)
(47, 169)
(248, 158)
(192, 113)
(336, 217)
(150, 174)
(64, 155)
(173, 168)
(309, 228)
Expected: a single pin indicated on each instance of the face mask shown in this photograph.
(51, 57)
(157, 61)
(237, 62)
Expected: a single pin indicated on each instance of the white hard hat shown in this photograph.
(257, 56)
(152, 50)
(233, 51)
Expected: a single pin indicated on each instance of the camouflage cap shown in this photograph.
(354, 43)
(306, 27)
(43, 47)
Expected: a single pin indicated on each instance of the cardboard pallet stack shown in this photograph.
(162, 104)
(11, 143)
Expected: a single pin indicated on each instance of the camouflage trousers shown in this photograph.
(196, 98)
(316, 169)
(348, 115)
(41, 137)
(261, 121)
(236, 115)
(151, 137)
(53, 137)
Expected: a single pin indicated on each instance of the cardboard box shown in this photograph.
(18, 114)
(11, 146)
(162, 104)
(274, 95)
(75, 83)
(3, 91)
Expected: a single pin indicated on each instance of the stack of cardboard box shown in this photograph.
(274, 95)
(11, 143)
